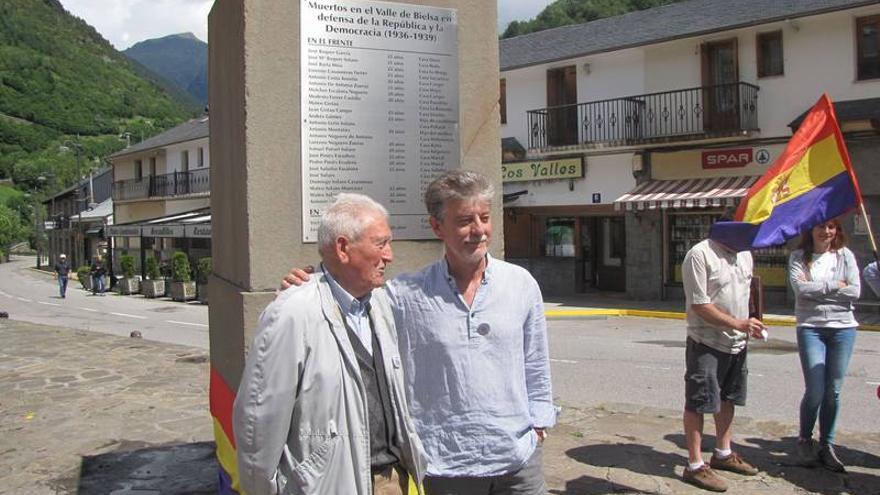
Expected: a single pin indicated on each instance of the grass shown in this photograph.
(8, 192)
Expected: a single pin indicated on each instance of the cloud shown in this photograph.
(126, 22)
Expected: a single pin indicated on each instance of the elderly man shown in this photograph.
(717, 284)
(474, 345)
(62, 273)
(321, 406)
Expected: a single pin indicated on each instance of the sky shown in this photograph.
(126, 22)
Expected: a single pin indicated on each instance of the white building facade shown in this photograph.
(674, 112)
(162, 196)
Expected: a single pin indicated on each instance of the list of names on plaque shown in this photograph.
(379, 106)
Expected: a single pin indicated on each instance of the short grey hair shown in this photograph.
(456, 185)
(348, 216)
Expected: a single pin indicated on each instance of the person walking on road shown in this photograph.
(98, 271)
(825, 278)
(717, 283)
(62, 273)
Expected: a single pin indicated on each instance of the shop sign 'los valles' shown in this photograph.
(560, 168)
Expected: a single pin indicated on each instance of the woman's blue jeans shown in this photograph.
(825, 354)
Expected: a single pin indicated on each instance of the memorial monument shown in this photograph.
(310, 98)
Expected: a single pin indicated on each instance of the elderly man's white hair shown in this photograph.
(348, 216)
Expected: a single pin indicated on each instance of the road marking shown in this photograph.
(873, 383)
(565, 361)
(657, 368)
(47, 303)
(185, 323)
(90, 310)
(23, 299)
(4, 294)
(130, 316)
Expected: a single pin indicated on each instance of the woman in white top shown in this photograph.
(825, 278)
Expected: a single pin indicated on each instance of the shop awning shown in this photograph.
(685, 193)
(190, 224)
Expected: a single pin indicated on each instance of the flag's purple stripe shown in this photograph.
(834, 197)
(224, 484)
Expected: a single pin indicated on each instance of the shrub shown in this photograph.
(126, 263)
(152, 269)
(204, 268)
(180, 269)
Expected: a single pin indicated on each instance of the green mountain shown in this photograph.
(182, 59)
(566, 12)
(66, 97)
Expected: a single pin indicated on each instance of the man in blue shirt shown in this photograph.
(473, 341)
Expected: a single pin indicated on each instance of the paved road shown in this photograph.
(628, 362)
(31, 296)
(632, 362)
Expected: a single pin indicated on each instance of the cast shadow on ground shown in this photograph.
(169, 469)
(776, 458)
(634, 457)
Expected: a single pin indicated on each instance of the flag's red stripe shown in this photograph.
(221, 399)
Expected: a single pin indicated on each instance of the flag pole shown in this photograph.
(870, 232)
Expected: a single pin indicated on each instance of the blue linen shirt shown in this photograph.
(355, 311)
(872, 275)
(478, 378)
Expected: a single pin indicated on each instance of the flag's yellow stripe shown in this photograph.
(820, 162)
(226, 455)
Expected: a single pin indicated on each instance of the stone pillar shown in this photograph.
(254, 71)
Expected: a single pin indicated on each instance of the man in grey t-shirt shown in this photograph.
(717, 283)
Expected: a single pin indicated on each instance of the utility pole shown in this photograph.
(77, 148)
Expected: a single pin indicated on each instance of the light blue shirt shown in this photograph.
(478, 379)
(355, 311)
(872, 276)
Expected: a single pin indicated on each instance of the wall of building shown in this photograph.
(644, 255)
(610, 176)
(819, 56)
(174, 158)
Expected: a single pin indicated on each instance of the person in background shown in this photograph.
(717, 283)
(871, 274)
(98, 271)
(62, 273)
(825, 278)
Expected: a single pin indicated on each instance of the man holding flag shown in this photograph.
(810, 183)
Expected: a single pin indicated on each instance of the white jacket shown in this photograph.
(300, 416)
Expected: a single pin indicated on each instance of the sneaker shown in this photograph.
(704, 478)
(806, 452)
(829, 459)
(733, 463)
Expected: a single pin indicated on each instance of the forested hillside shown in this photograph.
(565, 12)
(182, 59)
(63, 88)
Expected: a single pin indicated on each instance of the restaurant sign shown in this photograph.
(559, 168)
(198, 231)
(123, 230)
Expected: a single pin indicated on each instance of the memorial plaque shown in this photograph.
(380, 109)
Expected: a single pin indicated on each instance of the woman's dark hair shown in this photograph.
(806, 243)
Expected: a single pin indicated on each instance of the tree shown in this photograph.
(11, 229)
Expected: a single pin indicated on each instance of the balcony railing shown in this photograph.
(173, 184)
(692, 113)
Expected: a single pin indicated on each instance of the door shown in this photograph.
(720, 89)
(562, 114)
(610, 250)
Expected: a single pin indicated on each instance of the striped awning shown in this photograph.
(685, 193)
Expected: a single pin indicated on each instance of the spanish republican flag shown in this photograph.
(810, 183)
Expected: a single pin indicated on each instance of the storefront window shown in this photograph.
(559, 237)
(685, 230)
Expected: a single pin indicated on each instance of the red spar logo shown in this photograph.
(727, 158)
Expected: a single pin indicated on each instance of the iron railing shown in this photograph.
(173, 184)
(704, 111)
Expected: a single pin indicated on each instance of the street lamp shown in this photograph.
(77, 148)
